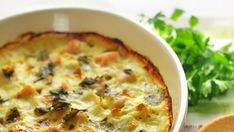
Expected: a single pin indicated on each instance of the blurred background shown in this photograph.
(216, 16)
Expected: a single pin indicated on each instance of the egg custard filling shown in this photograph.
(81, 82)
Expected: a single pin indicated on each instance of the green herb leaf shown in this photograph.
(59, 94)
(41, 110)
(59, 105)
(88, 82)
(176, 14)
(45, 71)
(2, 100)
(13, 115)
(84, 59)
(128, 71)
(8, 72)
(193, 21)
(209, 72)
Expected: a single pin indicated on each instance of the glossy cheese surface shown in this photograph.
(79, 82)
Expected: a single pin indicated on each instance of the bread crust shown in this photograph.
(114, 43)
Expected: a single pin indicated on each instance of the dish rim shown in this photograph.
(176, 126)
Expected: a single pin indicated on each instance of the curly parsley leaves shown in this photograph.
(209, 72)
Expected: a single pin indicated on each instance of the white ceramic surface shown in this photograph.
(134, 35)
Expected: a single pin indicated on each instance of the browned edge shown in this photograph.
(149, 66)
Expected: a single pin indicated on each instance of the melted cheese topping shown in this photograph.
(59, 83)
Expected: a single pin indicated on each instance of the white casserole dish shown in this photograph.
(134, 35)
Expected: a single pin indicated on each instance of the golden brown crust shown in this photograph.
(116, 44)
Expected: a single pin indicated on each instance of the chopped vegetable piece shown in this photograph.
(81, 116)
(119, 103)
(132, 126)
(87, 82)
(59, 105)
(59, 93)
(115, 112)
(108, 77)
(107, 126)
(1, 120)
(49, 79)
(41, 110)
(57, 61)
(2, 100)
(128, 76)
(78, 73)
(12, 115)
(125, 92)
(46, 70)
(84, 59)
(8, 71)
(101, 91)
(141, 107)
(73, 46)
(106, 57)
(128, 71)
(26, 92)
(143, 110)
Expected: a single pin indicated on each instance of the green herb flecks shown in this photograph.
(70, 115)
(2, 100)
(59, 105)
(13, 115)
(87, 82)
(84, 59)
(41, 110)
(45, 71)
(59, 94)
(8, 72)
(128, 71)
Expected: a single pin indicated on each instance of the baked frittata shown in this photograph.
(81, 82)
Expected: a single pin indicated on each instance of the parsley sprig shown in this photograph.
(209, 72)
